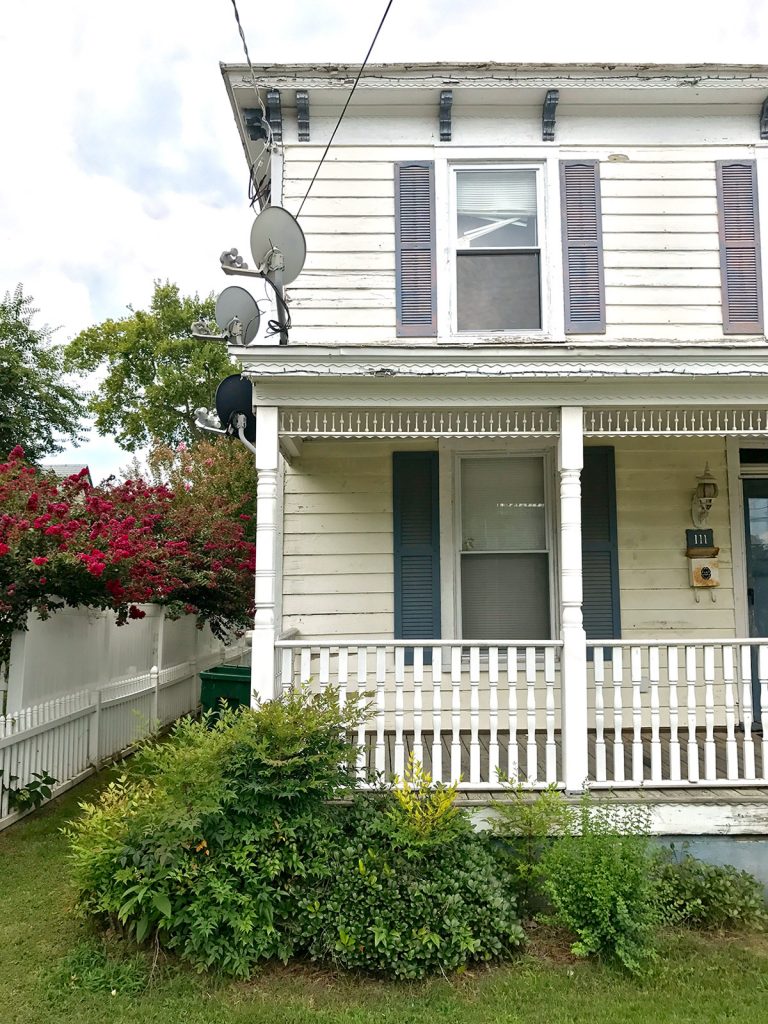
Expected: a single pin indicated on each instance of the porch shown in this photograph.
(669, 700)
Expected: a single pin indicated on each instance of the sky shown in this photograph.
(120, 160)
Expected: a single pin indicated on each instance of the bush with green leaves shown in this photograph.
(210, 839)
(526, 823)
(409, 887)
(700, 895)
(600, 884)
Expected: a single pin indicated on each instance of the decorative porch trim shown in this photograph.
(675, 422)
(304, 423)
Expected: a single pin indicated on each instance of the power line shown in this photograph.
(269, 141)
(343, 112)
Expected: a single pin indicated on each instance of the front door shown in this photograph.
(756, 534)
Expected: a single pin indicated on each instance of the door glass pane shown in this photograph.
(498, 291)
(502, 505)
(496, 208)
(757, 511)
(505, 597)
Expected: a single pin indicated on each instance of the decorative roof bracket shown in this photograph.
(548, 115)
(275, 114)
(764, 119)
(446, 102)
(302, 114)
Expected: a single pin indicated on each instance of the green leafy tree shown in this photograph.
(39, 410)
(155, 373)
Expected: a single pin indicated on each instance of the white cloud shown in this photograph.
(121, 161)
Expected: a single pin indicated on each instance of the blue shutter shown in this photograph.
(600, 556)
(415, 262)
(416, 545)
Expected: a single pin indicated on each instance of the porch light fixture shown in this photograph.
(705, 493)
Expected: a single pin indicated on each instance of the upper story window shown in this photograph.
(498, 249)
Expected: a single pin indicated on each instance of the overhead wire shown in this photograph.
(344, 110)
(256, 189)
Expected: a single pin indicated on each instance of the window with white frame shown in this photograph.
(504, 560)
(498, 251)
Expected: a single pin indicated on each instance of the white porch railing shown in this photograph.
(679, 713)
(466, 710)
(659, 714)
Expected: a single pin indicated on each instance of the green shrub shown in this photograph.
(700, 895)
(207, 843)
(526, 823)
(600, 884)
(410, 888)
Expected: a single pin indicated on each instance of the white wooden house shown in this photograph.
(530, 320)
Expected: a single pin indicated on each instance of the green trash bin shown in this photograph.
(230, 684)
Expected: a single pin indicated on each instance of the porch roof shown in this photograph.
(531, 361)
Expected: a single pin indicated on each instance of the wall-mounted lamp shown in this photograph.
(705, 493)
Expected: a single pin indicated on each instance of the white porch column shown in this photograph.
(574, 653)
(264, 626)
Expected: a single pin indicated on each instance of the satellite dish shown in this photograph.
(237, 302)
(276, 229)
(233, 396)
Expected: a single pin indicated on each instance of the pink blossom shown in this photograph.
(39, 560)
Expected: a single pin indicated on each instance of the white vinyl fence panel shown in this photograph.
(69, 736)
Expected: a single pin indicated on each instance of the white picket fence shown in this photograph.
(70, 736)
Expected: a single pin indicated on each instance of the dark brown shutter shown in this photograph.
(582, 247)
(415, 249)
(739, 247)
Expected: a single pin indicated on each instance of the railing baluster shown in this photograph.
(692, 747)
(513, 768)
(437, 715)
(381, 679)
(418, 706)
(601, 773)
(731, 749)
(762, 674)
(493, 714)
(675, 770)
(531, 752)
(636, 677)
(710, 751)
(286, 673)
(362, 688)
(456, 714)
(325, 666)
(343, 675)
(653, 675)
(399, 766)
(549, 682)
(617, 673)
(474, 714)
(748, 748)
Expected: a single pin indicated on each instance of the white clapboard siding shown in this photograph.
(337, 527)
(659, 219)
(661, 259)
(656, 596)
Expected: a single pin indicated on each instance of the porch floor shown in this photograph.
(685, 789)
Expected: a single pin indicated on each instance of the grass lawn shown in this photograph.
(698, 979)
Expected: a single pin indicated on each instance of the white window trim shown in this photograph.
(451, 454)
(550, 243)
(736, 476)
